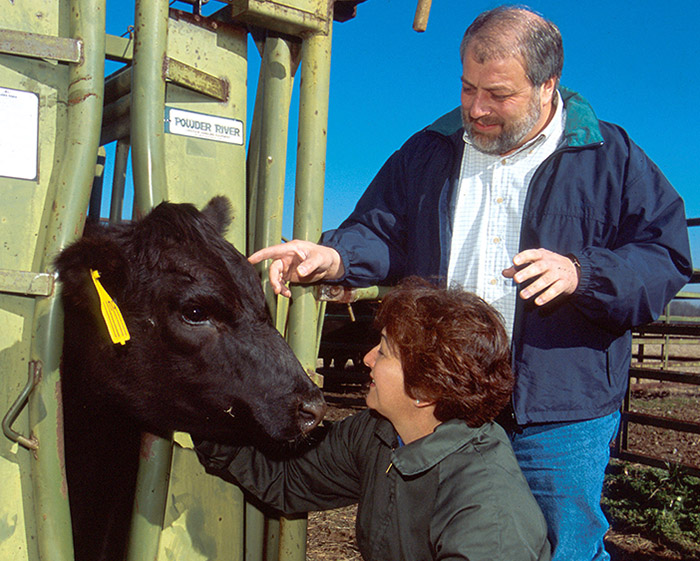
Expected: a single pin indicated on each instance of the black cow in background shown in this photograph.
(203, 357)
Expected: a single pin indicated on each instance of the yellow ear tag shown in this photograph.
(111, 313)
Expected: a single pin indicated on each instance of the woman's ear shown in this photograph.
(424, 402)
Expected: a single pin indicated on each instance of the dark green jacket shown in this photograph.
(455, 494)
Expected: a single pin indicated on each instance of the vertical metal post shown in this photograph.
(148, 104)
(310, 176)
(420, 21)
(150, 188)
(97, 185)
(151, 493)
(72, 190)
(121, 158)
(308, 212)
(276, 72)
(252, 165)
(666, 345)
(267, 159)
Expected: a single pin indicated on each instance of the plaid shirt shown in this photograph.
(488, 213)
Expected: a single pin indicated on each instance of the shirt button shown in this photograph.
(496, 240)
(493, 282)
(499, 200)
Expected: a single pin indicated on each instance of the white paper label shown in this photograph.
(19, 133)
(200, 125)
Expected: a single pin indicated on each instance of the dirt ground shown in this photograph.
(331, 535)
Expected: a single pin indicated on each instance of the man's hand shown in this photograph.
(554, 274)
(299, 261)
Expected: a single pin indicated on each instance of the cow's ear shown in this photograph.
(218, 213)
(97, 253)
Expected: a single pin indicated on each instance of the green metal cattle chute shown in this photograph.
(176, 68)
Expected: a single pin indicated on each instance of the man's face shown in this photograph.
(501, 109)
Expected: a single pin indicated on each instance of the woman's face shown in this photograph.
(387, 394)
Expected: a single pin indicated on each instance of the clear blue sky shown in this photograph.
(638, 63)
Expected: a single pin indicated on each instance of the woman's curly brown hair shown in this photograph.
(453, 348)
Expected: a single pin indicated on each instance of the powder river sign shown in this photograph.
(200, 125)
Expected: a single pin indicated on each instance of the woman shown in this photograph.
(434, 476)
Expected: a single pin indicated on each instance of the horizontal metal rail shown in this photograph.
(26, 283)
(665, 376)
(653, 461)
(661, 422)
(34, 45)
(689, 329)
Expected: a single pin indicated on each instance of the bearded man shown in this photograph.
(558, 220)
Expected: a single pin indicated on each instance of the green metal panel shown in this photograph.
(39, 215)
(199, 168)
(21, 210)
(203, 517)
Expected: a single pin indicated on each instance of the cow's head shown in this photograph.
(203, 356)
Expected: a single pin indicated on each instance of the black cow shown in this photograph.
(203, 357)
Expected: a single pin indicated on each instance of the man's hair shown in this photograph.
(517, 31)
(453, 349)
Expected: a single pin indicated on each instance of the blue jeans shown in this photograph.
(564, 463)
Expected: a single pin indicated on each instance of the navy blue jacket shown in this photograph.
(597, 196)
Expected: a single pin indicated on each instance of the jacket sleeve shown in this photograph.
(326, 474)
(629, 283)
(371, 240)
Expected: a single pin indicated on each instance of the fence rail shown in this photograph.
(662, 365)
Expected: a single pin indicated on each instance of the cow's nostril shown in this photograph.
(311, 412)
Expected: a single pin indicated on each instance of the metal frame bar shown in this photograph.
(267, 158)
(150, 188)
(34, 45)
(148, 104)
(26, 283)
(72, 189)
(308, 215)
(270, 165)
(121, 158)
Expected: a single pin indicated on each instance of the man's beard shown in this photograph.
(512, 133)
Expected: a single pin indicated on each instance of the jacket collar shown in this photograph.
(581, 127)
(425, 453)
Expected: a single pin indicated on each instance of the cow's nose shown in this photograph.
(311, 411)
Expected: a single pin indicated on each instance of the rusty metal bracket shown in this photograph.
(346, 294)
(119, 49)
(195, 79)
(27, 283)
(34, 45)
(30, 443)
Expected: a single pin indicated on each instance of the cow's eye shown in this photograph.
(195, 314)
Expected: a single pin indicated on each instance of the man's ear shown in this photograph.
(548, 91)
